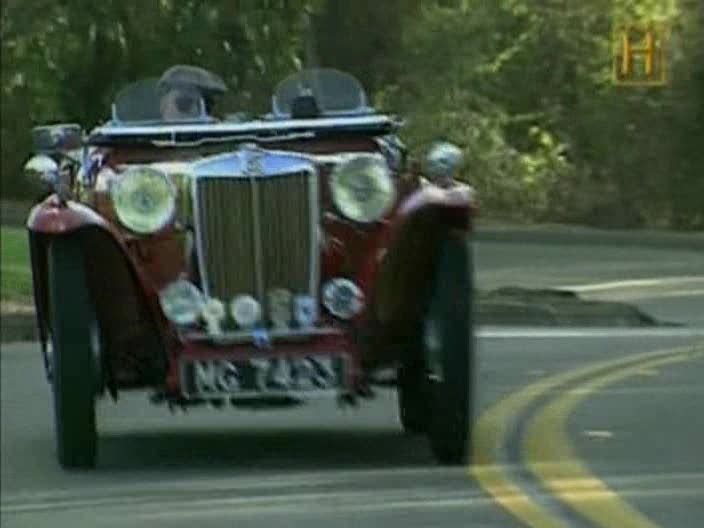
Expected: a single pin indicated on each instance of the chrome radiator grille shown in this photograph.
(254, 234)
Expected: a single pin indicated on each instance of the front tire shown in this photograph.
(74, 362)
(449, 353)
(413, 408)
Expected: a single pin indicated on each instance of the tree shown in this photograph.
(64, 61)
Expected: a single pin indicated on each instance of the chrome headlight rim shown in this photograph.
(128, 220)
(375, 168)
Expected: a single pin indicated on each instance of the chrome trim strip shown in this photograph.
(252, 126)
(317, 159)
(199, 237)
(233, 164)
(301, 396)
(204, 141)
(257, 229)
(230, 164)
(315, 227)
(274, 335)
(327, 158)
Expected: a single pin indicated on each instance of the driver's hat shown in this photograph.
(185, 76)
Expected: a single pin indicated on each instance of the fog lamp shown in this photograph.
(181, 302)
(343, 298)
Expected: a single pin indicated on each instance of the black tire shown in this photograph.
(449, 353)
(73, 357)
(413, 408)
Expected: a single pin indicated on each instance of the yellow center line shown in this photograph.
(491, 430)
(551, 458)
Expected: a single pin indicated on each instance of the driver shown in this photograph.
(184, 87)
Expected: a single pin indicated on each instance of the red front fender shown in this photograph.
(52, 217)
(127, 303)
(405, 273)
(454, 207)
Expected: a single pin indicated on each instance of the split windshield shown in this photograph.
(146, 102)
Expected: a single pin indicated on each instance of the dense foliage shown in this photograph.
(524, 86)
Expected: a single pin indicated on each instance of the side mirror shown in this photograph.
(42, 172)
(53, 138)
(442, 163)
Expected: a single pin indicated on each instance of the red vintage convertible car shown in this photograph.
(251, 262)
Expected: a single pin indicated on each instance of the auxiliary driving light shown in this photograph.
(343, 298)
(181, 302)
(245, 310)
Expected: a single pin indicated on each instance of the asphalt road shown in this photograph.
(586, 429)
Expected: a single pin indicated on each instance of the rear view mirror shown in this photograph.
(54, 138)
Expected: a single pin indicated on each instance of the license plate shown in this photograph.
(260, 376)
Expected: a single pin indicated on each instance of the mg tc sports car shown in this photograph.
(253, 262)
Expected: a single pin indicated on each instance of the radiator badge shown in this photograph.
(253, 160)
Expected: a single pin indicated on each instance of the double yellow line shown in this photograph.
(546, 449)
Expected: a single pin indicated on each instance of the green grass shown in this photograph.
(14, 265)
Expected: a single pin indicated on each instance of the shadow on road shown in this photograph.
(308, 449)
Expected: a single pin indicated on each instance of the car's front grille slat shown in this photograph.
(285, 223)
(226, 237)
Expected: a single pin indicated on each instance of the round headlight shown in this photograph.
(362, 188)
(181, 302)
(144, 199)
(245, 310)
